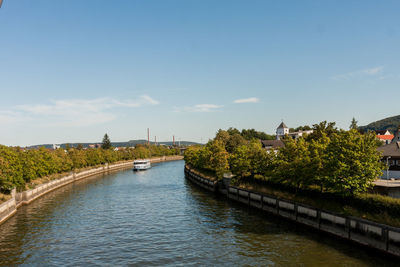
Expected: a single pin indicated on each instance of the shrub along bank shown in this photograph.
(19, 167)
(330, 169)
(374, 207)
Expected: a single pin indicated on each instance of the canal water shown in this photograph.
(156, 217)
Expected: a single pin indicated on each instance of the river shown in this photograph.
(157, 217)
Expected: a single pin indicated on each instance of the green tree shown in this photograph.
(64, 161)
(323, 127)
(11, 172)
(240, 162)
(192, 155)
(95, 157)
(353, 162)
(106, 144)
(141, 152)
(233, 131)
(252, 133)
(353, 125)
(218, 157)
(222, 136)
(294, 164)
(261, 160)
(234, 141)
(19, 167)
(319, 161)
(78, 158)
(302, 128)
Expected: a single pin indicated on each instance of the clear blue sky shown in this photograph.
(72, 70)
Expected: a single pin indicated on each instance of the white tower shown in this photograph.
(282, 130)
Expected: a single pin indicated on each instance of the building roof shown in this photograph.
(385, 137)
(272, 143)
(382, 132)
(282, 125)
(392, 150)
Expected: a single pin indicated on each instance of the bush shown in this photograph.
(374, 203)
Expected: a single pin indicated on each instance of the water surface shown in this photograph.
(156, 217)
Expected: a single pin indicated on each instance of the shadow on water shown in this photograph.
(289, 243)
(32, 220)
(157, 217)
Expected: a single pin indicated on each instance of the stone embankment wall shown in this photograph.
(382, 237)
(8, 208)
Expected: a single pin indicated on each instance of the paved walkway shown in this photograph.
(387, 183)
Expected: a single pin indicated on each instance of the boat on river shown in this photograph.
(141, 164)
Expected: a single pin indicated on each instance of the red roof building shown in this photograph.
(387, 139)
(385, 136)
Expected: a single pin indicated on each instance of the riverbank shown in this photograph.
(373, 207)
(106, 220)
(9, 207)
(378, 236)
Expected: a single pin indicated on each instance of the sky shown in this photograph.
(71, 71)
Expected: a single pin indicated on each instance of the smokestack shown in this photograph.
(173, 140)
(155, 140)
(148, 136)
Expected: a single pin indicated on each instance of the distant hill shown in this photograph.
(130, 143)
(391, 124)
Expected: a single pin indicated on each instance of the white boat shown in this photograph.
(141, 164)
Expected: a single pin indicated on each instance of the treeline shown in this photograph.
(300, 128)
(249, 134)
(18, 166)
(330, 160)
(391, 124)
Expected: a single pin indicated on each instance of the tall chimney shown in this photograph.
(148, 136)
(173, 140)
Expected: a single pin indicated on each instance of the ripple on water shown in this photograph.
(158, 218)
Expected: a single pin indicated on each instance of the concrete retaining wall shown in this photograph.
(368, 233)
(201, 181)
(8, 208)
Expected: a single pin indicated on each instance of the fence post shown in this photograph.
(319, 219)
(347, 227)
(277, 206)
(385, 236)
(262, 202)
(13, 192)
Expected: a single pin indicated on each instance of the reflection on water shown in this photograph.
(156, 217)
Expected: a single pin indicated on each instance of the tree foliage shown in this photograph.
(212, 157)
(18, 166)
(353, 161)
(344, 162)
(391, 124)
(253, 134)
(300, 128)
(106, 143)
(353, 125)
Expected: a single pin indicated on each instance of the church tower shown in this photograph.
(282, 130)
